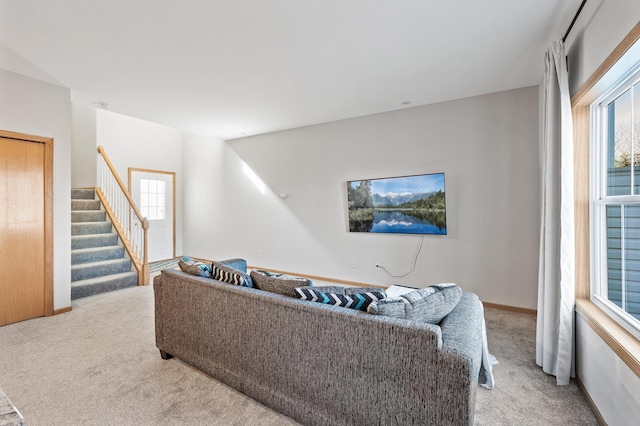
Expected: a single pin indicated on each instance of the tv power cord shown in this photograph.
(413, 268)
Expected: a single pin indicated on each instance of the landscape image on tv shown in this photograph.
(401, 205)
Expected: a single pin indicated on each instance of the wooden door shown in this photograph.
(22, 230)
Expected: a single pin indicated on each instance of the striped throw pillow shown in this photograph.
(230, 275)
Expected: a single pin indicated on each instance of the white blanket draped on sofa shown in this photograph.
(488, 361)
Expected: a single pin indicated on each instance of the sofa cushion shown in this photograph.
(430, 304)
(194, 267)
(227, 274)
(354, 301)
(278, 283)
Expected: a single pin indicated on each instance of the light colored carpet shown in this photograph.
(98, 365)
(524, 394)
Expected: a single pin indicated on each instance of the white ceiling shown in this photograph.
(230, 68)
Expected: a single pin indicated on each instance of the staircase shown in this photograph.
(98, 261)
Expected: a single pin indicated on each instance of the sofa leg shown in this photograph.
(165, 355)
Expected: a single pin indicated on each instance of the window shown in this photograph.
(153, 199)
(615, 174)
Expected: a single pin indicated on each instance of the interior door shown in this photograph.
(154, 192)
(22, 230)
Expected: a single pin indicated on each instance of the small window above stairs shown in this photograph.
(98, 260)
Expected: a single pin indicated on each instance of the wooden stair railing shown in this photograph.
(124, 214)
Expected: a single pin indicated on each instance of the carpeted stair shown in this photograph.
(98, 260)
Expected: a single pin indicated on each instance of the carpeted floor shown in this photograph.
(524, 394)
(98, 365)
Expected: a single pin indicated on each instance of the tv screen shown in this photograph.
(399, 205)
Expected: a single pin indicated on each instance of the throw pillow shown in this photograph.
(358, 301)
(194, 267)
(278, 283)
(429, 304)
(230, 275)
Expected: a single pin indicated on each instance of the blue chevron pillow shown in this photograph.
(358, 301)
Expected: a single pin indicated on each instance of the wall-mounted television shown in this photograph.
(399, 205)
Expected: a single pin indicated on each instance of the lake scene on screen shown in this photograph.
(399, 205)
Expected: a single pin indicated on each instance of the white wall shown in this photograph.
(597, 34)
(613, 387)
(83, 146)
(611, 384)
(204, 181)
(43, 109)
(131, 142)
(486, 145)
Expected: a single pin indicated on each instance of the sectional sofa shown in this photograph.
(320, 364)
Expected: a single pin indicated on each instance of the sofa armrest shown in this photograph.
(462, 330)
(461, 358)
(159, 300)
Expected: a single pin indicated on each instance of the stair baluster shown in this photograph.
(127, 219)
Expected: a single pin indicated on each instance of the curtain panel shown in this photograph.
(556, 278)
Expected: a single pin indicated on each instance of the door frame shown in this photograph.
(162, 172)
(48, 211)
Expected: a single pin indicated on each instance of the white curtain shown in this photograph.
(556, 278)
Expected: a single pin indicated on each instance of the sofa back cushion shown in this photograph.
(430, 304)
(278, 283)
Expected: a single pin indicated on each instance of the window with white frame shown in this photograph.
(153, 199)
(615, 207)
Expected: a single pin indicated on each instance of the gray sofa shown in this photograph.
(320, 364)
